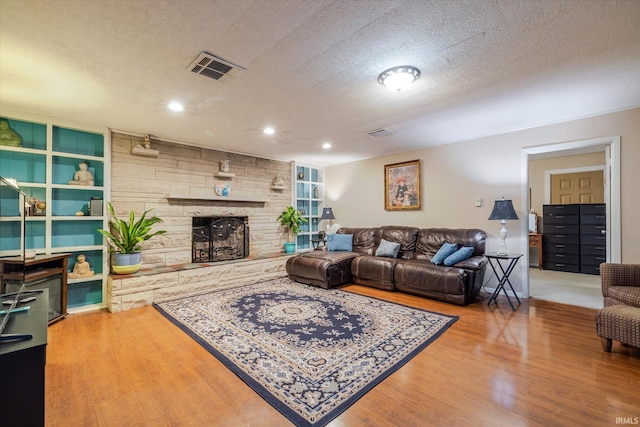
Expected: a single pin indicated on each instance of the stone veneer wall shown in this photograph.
(140, 183)
(127, 292)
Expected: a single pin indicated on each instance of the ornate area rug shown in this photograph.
(309, 352)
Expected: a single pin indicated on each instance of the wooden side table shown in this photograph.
(535, 241)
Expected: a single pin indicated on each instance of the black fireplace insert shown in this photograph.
(220, 238)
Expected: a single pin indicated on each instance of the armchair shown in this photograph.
(619, 320)
(620, 284)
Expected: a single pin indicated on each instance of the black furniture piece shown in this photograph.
(502, 273)
(42, 272)
(561, 238)
(574, 238)
(23, 362)
(593, 238)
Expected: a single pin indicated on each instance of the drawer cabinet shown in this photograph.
(561, 238)
(574, 238)
(593, 239)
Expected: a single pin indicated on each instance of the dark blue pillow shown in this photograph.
(459, 255)
(340, 242)
(445, 250)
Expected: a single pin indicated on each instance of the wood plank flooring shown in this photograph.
(541, 365)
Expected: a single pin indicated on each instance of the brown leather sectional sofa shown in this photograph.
(411, 271)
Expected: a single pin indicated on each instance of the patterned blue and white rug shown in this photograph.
(309, 352)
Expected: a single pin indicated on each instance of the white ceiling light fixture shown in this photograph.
(175, 106)
(326, 145)
(269, 130)
(399, 78)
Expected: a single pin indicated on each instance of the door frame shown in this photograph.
(611, 147)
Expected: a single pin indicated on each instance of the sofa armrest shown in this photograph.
(618, 275)
(473, 263)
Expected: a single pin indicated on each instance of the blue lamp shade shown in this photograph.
(503, 210)
(327, 213)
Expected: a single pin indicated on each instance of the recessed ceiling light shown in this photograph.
(326, 145)
(269, 131)
(175, 106)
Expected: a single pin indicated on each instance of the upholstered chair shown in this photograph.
(619, 320)
(620, 284)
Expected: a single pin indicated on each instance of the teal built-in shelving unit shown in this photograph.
(43, 166)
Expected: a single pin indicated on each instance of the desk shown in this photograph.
(502, 274)
(23, 364)
(535, 241)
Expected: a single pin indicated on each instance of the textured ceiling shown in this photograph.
(488, 67)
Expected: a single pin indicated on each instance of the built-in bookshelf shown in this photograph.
(46, 160)
(309, 196)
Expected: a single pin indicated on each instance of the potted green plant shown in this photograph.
(126, 238)
(291, 219)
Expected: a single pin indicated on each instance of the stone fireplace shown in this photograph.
(179, 186)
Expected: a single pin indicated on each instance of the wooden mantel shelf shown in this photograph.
(200, 197)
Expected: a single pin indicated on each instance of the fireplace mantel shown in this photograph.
(200, 197)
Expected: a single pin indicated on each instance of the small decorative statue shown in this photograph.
(224, 165)
(81, 269)
(83, 176)
(278, 181)
(147, 142)
(8, 136)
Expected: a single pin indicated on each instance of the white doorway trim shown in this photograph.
(611, 147)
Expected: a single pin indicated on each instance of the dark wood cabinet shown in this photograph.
(574, 239)
(42, 272)
(561, 237)
(593, 238)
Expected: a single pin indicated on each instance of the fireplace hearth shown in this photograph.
(220, 238)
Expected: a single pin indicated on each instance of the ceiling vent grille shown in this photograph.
(379, 133)
(211, 66)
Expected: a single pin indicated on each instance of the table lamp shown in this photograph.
(327, 215)
(502, 211)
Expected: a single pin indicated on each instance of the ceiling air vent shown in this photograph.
(379, 133)
(211, 66)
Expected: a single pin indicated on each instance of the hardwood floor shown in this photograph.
(541, 365)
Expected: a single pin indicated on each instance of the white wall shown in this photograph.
(453, 176)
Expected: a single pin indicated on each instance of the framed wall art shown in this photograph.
(402, 186)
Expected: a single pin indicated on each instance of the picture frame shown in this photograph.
(402, 186)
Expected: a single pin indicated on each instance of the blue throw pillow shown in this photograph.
(445, 250)
(459, 255)
(340, 242)
(389, 249)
